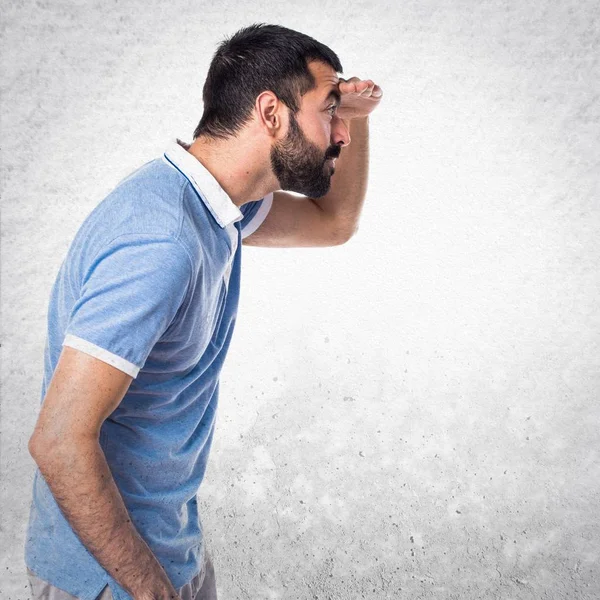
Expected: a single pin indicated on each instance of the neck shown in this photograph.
(241, 168)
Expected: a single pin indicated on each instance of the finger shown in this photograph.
(373, 91)
(368, 88)
(358, 87)
(347, 87)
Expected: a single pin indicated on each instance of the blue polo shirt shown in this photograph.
(149, 285)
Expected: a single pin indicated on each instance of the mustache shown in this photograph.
(333, 152)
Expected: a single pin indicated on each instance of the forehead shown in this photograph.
(326, 80)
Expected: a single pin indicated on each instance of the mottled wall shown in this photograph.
(413, 414)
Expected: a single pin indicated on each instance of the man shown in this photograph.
(143, 308)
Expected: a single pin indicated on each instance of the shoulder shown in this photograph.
(148, 201)
(144, 209)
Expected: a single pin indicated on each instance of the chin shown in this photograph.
(322, 193)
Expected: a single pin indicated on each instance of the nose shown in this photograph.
(340, 133)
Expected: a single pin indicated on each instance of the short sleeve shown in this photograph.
(128, 297)
(254, 214)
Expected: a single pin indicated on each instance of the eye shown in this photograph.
(332, 109)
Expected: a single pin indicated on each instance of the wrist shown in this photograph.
(357, 122)
(348, 120)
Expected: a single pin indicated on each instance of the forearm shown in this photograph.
(343, 203)
(81, 482)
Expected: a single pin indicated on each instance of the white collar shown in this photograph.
(217, 201)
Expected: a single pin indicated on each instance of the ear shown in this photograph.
(270, 112)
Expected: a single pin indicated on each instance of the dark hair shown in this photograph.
(258, 58)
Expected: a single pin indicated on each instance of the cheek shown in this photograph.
(322, 137)
(319, 132)
(326, 128)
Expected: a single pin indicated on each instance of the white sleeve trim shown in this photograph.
(259, 217)
(100, 353)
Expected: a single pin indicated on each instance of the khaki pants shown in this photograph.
(202, 587)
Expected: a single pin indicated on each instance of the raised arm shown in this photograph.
(65, 445)
(332, 219)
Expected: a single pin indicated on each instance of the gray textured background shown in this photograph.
(413, 414)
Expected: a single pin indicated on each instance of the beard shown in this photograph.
(299, 165)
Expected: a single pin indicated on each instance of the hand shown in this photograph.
(359, 98)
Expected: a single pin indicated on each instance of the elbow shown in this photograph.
(54, 457)
(344, 235)
(38, 448)
(46, 448)
(44, 439)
